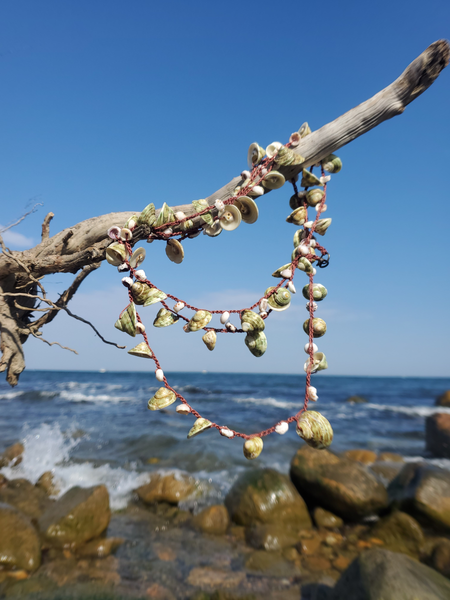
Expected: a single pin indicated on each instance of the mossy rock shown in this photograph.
(167, 488)
(400, 533)
(444, 399)
(20, 547)
(271, 537)
(26, 497)
(213, 520)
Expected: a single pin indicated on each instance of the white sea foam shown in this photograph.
(47, 448)
(79, 397)
(417, 411)
(266, 402)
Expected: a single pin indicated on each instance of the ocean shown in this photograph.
(91, 428)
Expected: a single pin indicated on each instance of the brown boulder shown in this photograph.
(423, 491)
(25, 497)
(266, 496)
(99, 548)
(167, 488)
(386, 471)
(12, 454)
(390, 457)
(399, 532)
(325, 519)
(440, 558)
(365, 457)
(271, 537)
(80, 515)
(437, 435)
(338, 484)
(213, 519)
(46, 483)
(443, 399)
(20, 547)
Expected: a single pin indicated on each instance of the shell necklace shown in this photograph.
(175, 227)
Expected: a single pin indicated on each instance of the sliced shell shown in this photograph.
(210, 339)
(230, 218)
(322, 226)
(309, 180)
(314, 429)
(174, 251)
(278, 272)
(251, 321)
(314, 196)
(319, 363)
(154, 296)
(255, 154)
(253, 447)
(248, 209)
(137, 258)
(116, 254)
(166, 215)
(199, 320)
(126, 234)
(213, 230)
(319, 292)
(163, 398)
(141, 350)
(298, 216)
(199, 426)
(164, 318)
(280, 300)
(273, 148)
(127, 320)
(294, 139)
(285, 156)
(256, 342)
(304, 130)
(319, 327)
(148, 215)
(332, 163)
(273, 180)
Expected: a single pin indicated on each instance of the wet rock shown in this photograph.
(326, 519)
(386, 471)
(317, 563)
(159, 592)
(46, 483)
(12, 456)
(213, 519)
(25, 497)
(271, 564)
(437, 435)
(365, 457)
(80, 515)
(3, 480)
(357, 400)
(20, 547)
(338, 484)
(444, 399)
(215, 578)
(390, 457)
(341, 563)
(399, 532)
(309, 546)
(266, 496)
(440, 558)
(382, 575)
(423, 491)
(100, 548)
(271, 537)
(171, 488)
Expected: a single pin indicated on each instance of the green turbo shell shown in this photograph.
(140, 292)
(304, 130)
(255, 154)
(142, 350)
(303, 264)
(127, 320)
(166, 215)
(116, 254)
(253, 322)
(280, 300)
(332, 163)
(298, 237)
(130, 220)
(298, 216)
(309, 180)
(314, 429)
(148, 215)
(199, 426)
(199, 320)
(253, 447)
(154, 296)
(248, 209)
(319, 327)
(297, 200)
(314, 196)
(163, 398)
(278, 272)
(322, 226)
(164, 318)
(285, 156)
(256, 342)
(319, 292)
(273, 180)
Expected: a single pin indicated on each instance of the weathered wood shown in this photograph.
(84, 243)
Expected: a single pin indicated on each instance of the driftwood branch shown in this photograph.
(84, 244)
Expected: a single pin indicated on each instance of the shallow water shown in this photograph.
(92, 428)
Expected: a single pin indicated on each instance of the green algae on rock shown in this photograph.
(20, 546)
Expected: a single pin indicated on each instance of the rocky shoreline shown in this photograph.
(354, 526)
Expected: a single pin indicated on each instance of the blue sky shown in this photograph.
(108, 106)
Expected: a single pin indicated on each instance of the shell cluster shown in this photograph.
(164, 224)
